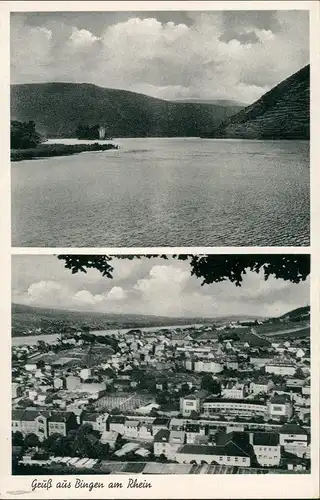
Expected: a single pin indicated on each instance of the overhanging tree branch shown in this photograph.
(211, 268)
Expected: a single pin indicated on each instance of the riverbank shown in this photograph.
(50, 150)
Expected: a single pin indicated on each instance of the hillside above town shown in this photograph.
(28, 320)
(58, 108)
(281, 113)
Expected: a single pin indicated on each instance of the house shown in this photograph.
(30, 421)
(85, 373)
(266, 446)
(59, 383)
(281, 366)
(16, 390)
(161, 445)
(192, 403)
(227, 454)
(261, 385)
(110, 438)
(279, 406)
(116, 423)
(72, 382)
(31, 367)
(62, 423)
(160, 423)
(43, 423)
(232, 363)
(234, 390)
(260, 361)
(97, 420)
(177, 424)
(131, 429)
(292, 433)
(212, 366)
(177, 438)
(193, 431)
(145, 431)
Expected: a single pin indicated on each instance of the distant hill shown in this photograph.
(25, 318)
(58, 108)
(51, 320)
(220, 102)
(281, 113)
(299, 314)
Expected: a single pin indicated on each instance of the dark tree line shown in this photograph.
(23, 135)
(84, 131)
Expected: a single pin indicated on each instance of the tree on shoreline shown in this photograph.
(23, 135)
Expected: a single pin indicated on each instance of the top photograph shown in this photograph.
(160, 128)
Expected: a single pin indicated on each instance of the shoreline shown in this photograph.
(51, 150)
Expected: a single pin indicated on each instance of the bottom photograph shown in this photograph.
(161, 364)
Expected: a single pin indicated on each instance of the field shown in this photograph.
(77, 356)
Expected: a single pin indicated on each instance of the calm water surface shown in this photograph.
(51, 339)
(165, 192)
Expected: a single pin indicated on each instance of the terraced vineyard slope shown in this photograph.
(281, 113)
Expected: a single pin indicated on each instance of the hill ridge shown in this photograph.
(57, 108)
(281, 113)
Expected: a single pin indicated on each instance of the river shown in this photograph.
(51, 339)
(165, 192)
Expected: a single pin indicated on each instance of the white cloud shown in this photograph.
(82, 38)
(166, 60)
(153, 287)
(116, 293)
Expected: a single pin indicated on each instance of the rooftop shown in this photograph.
(162, 436)
(292, 428)
(266, 439)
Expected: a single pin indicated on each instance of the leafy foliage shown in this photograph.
(84, 131)
(211, 268)
(24, 135)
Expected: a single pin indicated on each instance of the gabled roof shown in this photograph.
(29, 415)
(61, 416)
(162, 436)
(197, 395)
(266, 439)
(161, 421)
(292, 428)
(229, 449)
(116, 419)
(280, 399)
(17, 414)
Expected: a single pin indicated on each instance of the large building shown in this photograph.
(234, 390)
(267, 448)
(244, 408)
(230, 449)
(43, 423)
(192, 403)
(279, 407)
(98, 421)
(208, 366)
(281, 366)
(292, 433)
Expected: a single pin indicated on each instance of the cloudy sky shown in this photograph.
(236, 55)
(149, 286)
